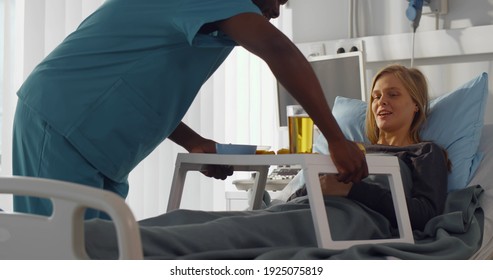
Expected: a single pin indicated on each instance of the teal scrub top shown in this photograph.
(121, 83)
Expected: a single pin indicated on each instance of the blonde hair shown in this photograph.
(415, 83)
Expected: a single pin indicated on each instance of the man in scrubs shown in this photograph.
(121, 83)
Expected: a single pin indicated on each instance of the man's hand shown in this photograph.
(194, 143)
(216, 171)
(349, 160)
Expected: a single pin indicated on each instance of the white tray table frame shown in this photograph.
(312, 165)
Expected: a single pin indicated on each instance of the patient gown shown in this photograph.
(246, 234)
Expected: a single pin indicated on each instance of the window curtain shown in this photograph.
(238, 104)
(10, 80)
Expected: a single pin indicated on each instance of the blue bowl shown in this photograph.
(235, 149)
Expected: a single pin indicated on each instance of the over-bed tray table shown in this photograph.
(312, 165)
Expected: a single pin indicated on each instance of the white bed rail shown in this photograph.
(61, 236)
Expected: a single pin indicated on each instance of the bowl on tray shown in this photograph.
(235, 149)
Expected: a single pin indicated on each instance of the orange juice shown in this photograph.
(300, 134)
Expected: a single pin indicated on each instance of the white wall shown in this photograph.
(460, 49)
(319, 20)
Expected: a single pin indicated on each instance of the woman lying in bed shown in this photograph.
(397, 109)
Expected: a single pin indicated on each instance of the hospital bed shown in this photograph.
(455, 122)
(61, 236)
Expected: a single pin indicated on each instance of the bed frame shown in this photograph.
(26, 236)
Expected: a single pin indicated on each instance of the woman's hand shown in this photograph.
(331, 186)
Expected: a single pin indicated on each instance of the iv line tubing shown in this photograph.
(412, 54)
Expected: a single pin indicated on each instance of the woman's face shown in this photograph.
(270, 8)
(392, 106)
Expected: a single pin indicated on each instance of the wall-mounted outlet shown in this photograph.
(347, 45)
(332, 47)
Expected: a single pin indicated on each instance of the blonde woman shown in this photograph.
(397, 109)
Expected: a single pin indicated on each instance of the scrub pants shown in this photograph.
(40, 151)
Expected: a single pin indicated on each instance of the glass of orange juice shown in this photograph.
(300, 127)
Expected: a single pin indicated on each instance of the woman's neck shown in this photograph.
(395, 140)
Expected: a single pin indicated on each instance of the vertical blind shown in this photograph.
(238, 104)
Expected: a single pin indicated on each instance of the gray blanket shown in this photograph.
(286, 232)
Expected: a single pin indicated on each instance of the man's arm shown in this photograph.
(191, 140)
(293, 71)
(194, 143)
